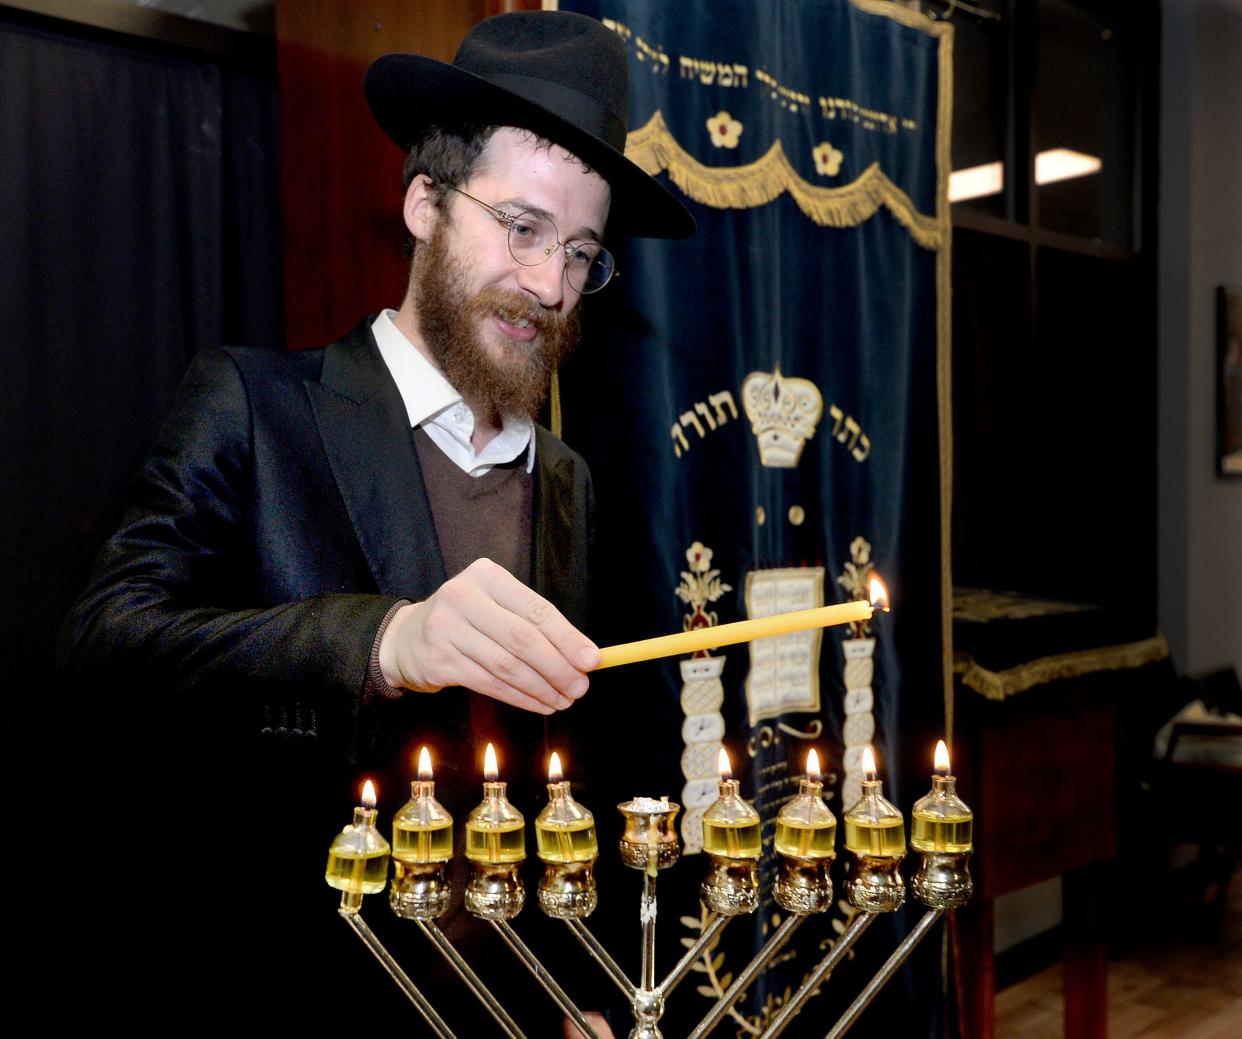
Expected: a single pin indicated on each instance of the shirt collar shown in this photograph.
(432, 402)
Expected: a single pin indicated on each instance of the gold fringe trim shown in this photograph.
(554, 404)
(654, 148)
(1000, 685)
(944, 338)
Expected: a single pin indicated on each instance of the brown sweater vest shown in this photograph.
(479, 517)
(486, 517)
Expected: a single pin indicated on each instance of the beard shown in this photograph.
(513, 382)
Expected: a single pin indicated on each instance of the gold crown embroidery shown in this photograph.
(783, 413)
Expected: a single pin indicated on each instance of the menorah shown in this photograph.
(805, 841)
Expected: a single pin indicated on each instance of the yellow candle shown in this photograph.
(731, 634)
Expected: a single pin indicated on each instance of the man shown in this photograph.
(317, 537)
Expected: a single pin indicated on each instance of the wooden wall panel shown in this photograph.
(341, 176)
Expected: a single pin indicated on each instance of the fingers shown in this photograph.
(488, 632)
(480, 680)
(508, 592)
(502, 672)
(570, 1031)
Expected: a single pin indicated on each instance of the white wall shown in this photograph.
(1200, 228)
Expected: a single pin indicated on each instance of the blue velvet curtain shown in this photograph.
(761, 407)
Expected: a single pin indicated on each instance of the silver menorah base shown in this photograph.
(941, 883)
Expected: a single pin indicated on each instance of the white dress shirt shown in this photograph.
(432, 403)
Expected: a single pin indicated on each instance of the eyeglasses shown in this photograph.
(533, 238)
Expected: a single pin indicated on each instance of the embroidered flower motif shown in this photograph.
(699, 556)
(699, 586)
(856, 578)
(827, 159)
(725, 130)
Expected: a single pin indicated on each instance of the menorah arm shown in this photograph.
(602, 957)
(705, 939)
(544, 977)
(751, 971)
(835, 955)
(891, 966)
(421, 1004)
(475, 983)
(647, 905)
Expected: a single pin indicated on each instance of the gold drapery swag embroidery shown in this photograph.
(654, 148)
(1000, 685)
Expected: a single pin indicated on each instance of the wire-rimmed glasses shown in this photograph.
(533, 238)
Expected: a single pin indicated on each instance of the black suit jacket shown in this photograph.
(228, 627)
(280, 515)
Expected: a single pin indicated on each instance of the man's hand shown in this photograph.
(487, 631)
(596, 1021)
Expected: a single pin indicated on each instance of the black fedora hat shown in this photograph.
(561, 75)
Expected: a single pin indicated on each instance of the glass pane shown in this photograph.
(992, 364)
(980, 109)
(1086, 89)
(1091, 511)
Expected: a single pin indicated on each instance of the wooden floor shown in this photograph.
(1173, 986)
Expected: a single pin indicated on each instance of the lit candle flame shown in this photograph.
(424, 765)
(942, 758)
(722, 763)
(868, 764)
(879, 594)
(368, 794)
(812, 766)
(555, 775)
(491, 771)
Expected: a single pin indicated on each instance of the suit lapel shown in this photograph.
(560, 532)
(366, 435)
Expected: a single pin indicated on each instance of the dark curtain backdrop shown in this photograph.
(139, 223)
(139, 201)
